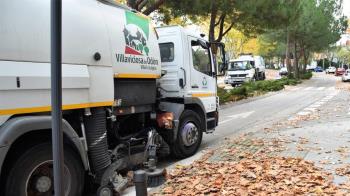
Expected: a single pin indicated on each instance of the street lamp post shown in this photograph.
(56, 95)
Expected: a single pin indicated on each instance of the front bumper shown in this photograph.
(283, 73)
(236, 80)
(345, 78)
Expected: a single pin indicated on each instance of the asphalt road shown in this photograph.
(254, 114)
(251, 114)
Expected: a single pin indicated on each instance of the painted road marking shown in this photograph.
(314, 107)
(320, 88)
(308, 88)
(236, 116)
(295, 89)
(311, 109)
(303, 113)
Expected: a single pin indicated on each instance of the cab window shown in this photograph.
(201, 58)
(167, 52)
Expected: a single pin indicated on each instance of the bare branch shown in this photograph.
(141, 4)
(220, 19)
(138, 2)
(228, 29)
(221, 28)
(131, 3)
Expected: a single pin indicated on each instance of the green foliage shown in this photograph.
(327, 63)
(257, 88)
(306, 75)
(223, 95)
(343, 54)
(249, 16)
(302, 28)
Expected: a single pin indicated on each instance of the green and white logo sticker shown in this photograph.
(204, 81)
(136, 34)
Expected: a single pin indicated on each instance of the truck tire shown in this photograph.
(32, 173)
(189, 136)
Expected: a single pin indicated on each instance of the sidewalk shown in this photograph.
(306, 154)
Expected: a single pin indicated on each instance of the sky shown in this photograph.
(346, 7)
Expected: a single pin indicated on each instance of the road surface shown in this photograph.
(254, 114)
(270, 108)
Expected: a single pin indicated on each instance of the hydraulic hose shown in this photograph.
(96, 136)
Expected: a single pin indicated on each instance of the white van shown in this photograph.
(246, 68)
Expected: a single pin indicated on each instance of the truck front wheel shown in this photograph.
(189, 136)
(32, 173)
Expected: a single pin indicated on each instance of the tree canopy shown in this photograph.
(283, 28)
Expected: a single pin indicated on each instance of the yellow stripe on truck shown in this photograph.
(203, 94)
(146, 76)
(48, 108)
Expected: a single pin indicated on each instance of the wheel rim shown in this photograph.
(105, 191)
(40, 180)
(189, 134)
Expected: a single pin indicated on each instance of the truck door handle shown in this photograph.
(195, 86)
(184, 81)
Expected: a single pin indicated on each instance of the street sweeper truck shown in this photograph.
(131, 93)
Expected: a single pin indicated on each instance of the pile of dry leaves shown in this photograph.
(259, 173)
(343, 171)
(267, 176)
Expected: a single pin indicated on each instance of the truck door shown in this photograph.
(203, 79)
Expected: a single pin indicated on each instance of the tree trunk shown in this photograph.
(296, 61)
(213, 15)
(305, 58)
(323, 63)
(289, 68)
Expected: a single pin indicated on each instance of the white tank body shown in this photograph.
(125, 41)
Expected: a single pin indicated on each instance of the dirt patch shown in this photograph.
(340, 85)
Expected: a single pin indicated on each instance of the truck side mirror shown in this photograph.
(224, 64)
(203, 44)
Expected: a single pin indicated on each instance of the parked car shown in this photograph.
(330, 70)
(283, 71)
(310, 67)
(346, 76)
(339, 71)
(318, 69)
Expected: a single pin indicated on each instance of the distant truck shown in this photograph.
(131, 93)
(246, 68)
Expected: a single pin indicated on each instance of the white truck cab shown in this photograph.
(245, 68)
(190, 71)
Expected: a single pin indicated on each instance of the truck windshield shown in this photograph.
(241, 65)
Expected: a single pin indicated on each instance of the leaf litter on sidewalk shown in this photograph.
(260, 172)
